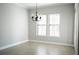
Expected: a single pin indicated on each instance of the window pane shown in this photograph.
(43, 20)
(54, 18)
(54, 31)
(41, 30)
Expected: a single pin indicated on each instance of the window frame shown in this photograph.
(58, 25)
(41, 25)
(48, 26)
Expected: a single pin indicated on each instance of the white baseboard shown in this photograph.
(53, 43)
(11, 45)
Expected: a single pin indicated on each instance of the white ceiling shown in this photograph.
(32, 5)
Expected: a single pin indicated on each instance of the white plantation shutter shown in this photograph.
(54, 24)
(41, 26)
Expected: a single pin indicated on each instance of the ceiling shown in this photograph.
(32, 5)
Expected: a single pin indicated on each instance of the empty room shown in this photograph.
(39, 28)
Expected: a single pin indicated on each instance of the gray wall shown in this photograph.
(66, 12)
(13, 24)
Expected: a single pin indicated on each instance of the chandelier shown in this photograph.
(36, 17)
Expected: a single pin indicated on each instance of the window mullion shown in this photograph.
(47, 26)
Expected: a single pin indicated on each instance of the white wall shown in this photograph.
(66, 12)
(13, 24)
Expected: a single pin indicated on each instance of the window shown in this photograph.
(41, 26)
(54, 21)
(42, 21)
(48, 24)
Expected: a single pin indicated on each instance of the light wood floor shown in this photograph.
(33, 48)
